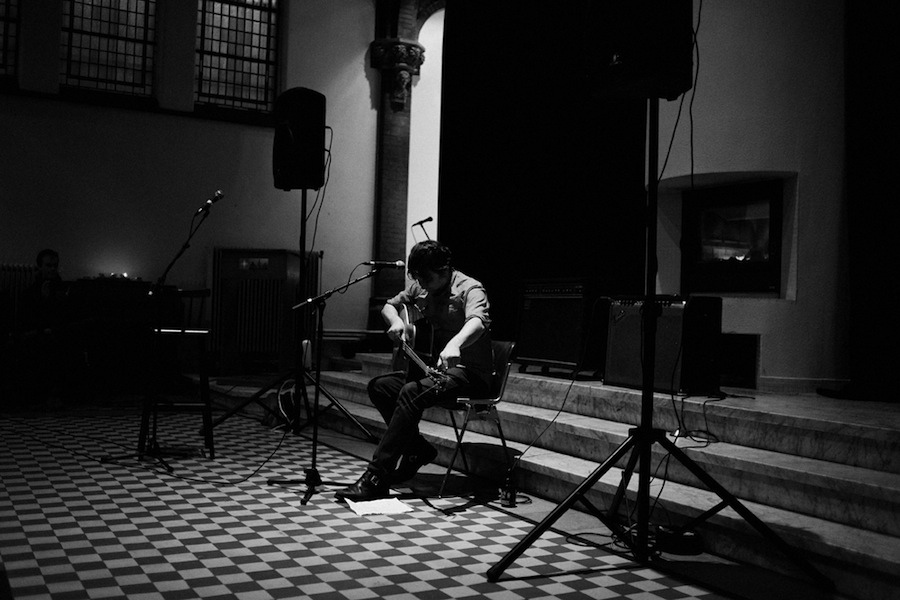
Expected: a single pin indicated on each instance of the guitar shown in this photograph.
(440, 378)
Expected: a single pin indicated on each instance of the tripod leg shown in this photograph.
(254, 398)
(334, 403)
(744, 512)
(313, 480)
(494, 572)
(623, 486)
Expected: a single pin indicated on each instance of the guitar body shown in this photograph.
(413, 356)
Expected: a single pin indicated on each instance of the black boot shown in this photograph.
(411, 463)
(371, 486)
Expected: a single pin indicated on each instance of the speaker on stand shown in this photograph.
(649, 58)
(298, 151)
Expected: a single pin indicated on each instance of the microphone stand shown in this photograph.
(312, 479)
(204, 211)
(422, 225)
(147, 442)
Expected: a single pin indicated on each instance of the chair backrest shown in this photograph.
(502, 363)
(194, 309)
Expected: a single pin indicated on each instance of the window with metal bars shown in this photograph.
(9, 38)
(237, 54)
(107, 45)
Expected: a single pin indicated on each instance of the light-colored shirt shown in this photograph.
(463, 299)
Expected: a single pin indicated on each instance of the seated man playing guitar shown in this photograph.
(457, 308)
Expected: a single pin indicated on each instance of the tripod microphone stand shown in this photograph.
(300, 370)
(313, 479)
(148, 444)
(641, 439)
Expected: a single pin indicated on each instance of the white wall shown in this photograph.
(328, 49)
(770, 98)
(425, 135)
(114, 190)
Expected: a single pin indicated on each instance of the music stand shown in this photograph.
(641, 439)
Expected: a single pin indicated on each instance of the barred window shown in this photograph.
(237, 48)
(107, 45)
(9, 37)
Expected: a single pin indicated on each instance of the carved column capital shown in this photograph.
(399, 60)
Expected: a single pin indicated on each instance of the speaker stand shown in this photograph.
(641, 439)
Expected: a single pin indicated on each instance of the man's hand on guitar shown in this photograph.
(448, 358)
(397, 332)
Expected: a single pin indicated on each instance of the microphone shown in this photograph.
(396, 264)
(417, 223)
(216, 197)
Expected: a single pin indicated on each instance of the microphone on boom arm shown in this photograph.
(391, 264)
(216, 197)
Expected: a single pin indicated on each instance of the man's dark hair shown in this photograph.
(429, 255)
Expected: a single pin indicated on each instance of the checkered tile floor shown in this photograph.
(75, 526)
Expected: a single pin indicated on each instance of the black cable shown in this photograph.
(320, 194)
(694, 88)
(575, 371)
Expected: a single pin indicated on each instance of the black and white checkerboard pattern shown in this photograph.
(75, 526)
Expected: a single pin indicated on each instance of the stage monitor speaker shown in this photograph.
(641, 48)
(298, 153)
(561, 324)
(687, 345)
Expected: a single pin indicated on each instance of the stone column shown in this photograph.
(399, 61)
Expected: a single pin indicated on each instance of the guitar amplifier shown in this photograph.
(561, 324)
(687, 345)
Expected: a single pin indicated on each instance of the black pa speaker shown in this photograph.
(687, 345)
(298, 154)
(641, 48)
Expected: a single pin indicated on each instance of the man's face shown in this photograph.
(49, 267)
(432, 281)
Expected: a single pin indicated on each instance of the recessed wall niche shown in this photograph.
(730, 234)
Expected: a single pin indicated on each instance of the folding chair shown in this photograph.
(482, 408)
(194, 330)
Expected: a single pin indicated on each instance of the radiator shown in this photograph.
(14, 280)
(260, 313)
(254, 290)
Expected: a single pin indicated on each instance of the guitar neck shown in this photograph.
(414, 357)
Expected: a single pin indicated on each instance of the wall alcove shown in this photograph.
(733, 235)
(729, 234)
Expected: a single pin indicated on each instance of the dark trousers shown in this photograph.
(402, 403)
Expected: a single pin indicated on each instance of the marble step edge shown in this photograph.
(767, 408)
(353, 386)
(754, 422)
(792, 483)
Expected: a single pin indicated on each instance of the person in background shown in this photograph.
(45, 344)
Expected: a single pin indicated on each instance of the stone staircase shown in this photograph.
(823, 474)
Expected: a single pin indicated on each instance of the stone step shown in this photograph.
(851, 495)
(795, 425)
(858, 561)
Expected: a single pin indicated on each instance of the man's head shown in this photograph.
(48, 264)
(429, 264)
